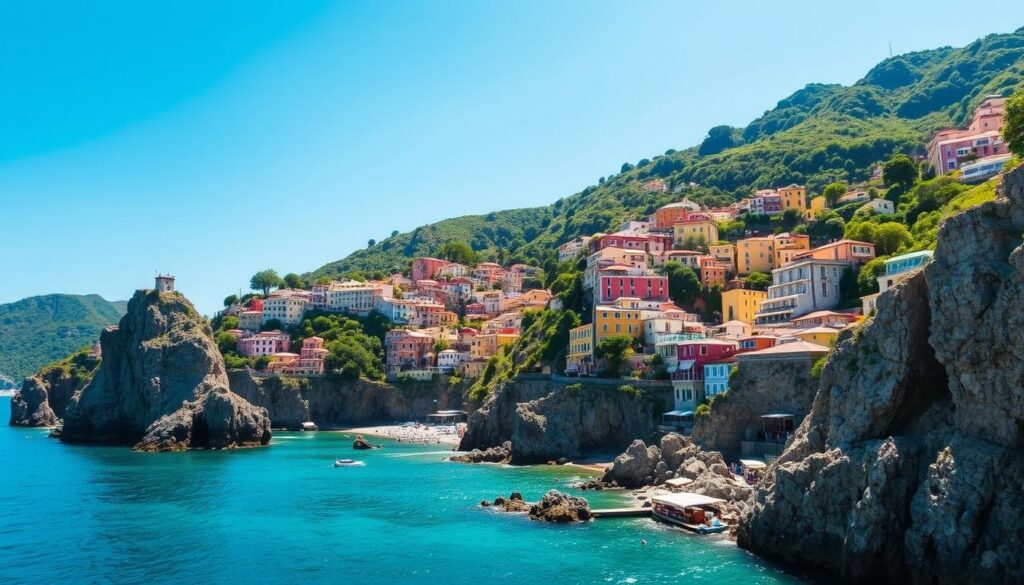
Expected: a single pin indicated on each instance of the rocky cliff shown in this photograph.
(759, 387)
(908, 467)
(162, 385)
(546, 420)
(43, 397)
(328, 401)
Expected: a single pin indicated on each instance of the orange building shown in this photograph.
(673, 213)
(793, 197)
(846, 250)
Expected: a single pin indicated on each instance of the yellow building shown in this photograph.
(740, 304)
(703, 230)
(787, 246)
(485, 345)
(817, 206)
(825, 336)
(581, 349)
(724, 254)
(617, 319)
(793, 197)
(755, 255)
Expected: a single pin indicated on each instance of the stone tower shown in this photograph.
(165, 283)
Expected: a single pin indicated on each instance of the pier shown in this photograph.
(620, 512)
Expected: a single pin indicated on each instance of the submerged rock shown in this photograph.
(560, 508)
(161, 385)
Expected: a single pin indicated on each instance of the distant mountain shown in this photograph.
(38, 330)
(820, 134)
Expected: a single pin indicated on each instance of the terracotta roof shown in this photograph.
(787, 348)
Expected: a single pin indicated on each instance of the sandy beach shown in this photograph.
(410, 433)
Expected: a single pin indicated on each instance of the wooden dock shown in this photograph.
(620, 512)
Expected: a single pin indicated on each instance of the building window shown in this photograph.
(824, 289)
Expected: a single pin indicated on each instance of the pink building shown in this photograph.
(617, 281)
(949, 147)
(426, 268)
(766, 202)
(407, 350)
(711, 272)
(694, 354)
(852, 251)
(265, 343)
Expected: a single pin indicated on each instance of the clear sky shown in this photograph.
(215, 139)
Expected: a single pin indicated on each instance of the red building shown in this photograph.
(407, 350)
(426, 268)
(624, 241)
(617, 282)
(694, 354)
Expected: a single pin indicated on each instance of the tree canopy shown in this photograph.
(264, 280)
(1013, 125)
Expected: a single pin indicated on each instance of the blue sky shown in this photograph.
(212, 140)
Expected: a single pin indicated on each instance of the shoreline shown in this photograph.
(417, 435)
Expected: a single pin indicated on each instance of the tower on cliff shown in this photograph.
(165, 283)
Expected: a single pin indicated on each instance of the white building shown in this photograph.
(450, 360)
(287, 306)
(250, 320)
(880, 206)
(800, 288)
(357, 297)
(165, 283)
(896, 269)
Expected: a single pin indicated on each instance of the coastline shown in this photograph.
(421, 435)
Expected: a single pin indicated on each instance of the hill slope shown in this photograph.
(38, 330)
(819, 134)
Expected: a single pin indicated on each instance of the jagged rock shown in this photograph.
(908, 467)
(30, 406)
(513, 503)
(43, 397)
(560, 508)
(635, 466)
(361, 444)
(500, 454)
(161, 385)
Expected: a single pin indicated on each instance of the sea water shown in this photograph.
(285, 514)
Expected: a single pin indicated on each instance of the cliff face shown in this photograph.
(760, 387)
(908, 467)
(162, 386)
(291, 401)
(42, 398)
(546, 421)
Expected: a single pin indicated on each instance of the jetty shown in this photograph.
(621, 512)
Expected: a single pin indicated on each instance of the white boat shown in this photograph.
(348, 463)
(690, 511)
(309, 426)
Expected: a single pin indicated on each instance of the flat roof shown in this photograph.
(684, 499)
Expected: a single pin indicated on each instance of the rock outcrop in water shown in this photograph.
(560, 508)
(908, 467)
(547, 421)
(162, 385)
(500, 454)
(44, 396)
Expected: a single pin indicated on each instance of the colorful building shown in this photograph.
(426, 268)
(580, 359)
(265, 343)
(755, 254)
(701, 230)
(286, 306)
(688, 375)
(673, 213)
(787, 247)
(948, 149)
(824, 336)
(406, 349)
(793, 197)
(741, 304)
(852, 252)
(800, 288)
(616, 282)
(716, 376)
(622, 317)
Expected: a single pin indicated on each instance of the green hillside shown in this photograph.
(820, 134)
(38, 330)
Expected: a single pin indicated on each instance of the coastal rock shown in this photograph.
(634, 467)
(907, 468)
(513, 503)
(560, 508)
(43, 397)
(499, 454)
(361, 444)
(161, 385)
(331, 401)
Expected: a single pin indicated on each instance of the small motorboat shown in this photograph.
(348, 463)
(309, 426)
(691, 511)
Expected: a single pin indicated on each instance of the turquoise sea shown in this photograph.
(284, 514)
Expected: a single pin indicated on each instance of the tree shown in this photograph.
(615, 350)
(899, 171)
(1013, 125)
(759, 281)
(394, 233)
(293, 280)
(848, 289)
(790, 217)
(371, 243)
(226, 342)
(459, 252)
(719, 138)
(626, 167)
(323, 280)
(833, 228)
(683, 284)
(867, 278)
(230, 300)
(833, 191)
(890, 237)
(264, 280)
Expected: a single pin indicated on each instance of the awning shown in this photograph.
(778, 415)
(753, 463)
(685, 365)
(684, 499)
(678, 413)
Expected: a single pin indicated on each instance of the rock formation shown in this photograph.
(546, 421)
(908, 467)
(560, 508)
(44, 396)
(513, 503)
(361, 444)
(162, 386)
(330, 401)
(500, 454)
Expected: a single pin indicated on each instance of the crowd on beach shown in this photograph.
(419, 434)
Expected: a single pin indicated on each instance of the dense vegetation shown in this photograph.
(37, 330)
(819, 135)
